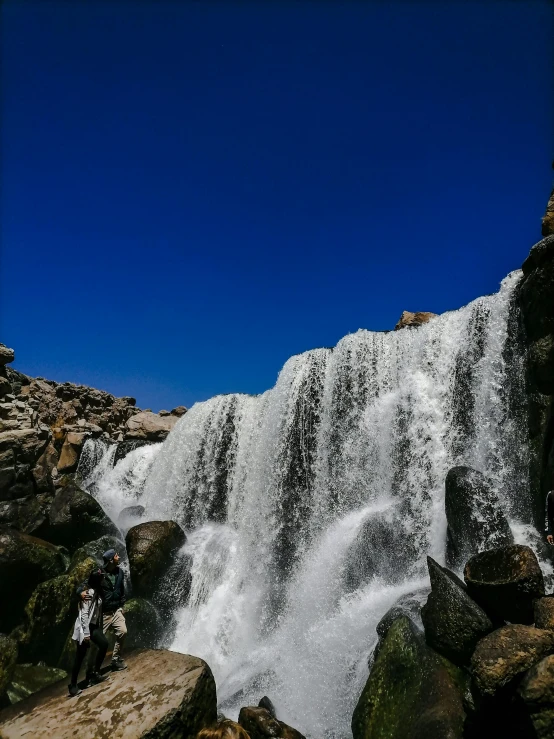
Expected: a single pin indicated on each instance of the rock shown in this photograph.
(71, 451)
(75, 518)
(505, 582)
(20, 449)
(544, 613)
(148, 425)
(453, 622)
(28, 679)
(179, 411)
(25, 561)
(144, 624)
(509, 651)
(49, 614)
(411, 691)
(25, 514)
(130, 516)
(8, 658)
(46, 469)
(260, 724)
(474, 517)
(7, 355)
(95, 550)
(537, 692)
(548, 219)
(407, 606)
(163, 695)
(151, 547)
(413, 319)
(266, 703)
(124, 447)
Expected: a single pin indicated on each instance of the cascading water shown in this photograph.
(309, 509)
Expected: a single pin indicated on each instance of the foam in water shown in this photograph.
(310, 509)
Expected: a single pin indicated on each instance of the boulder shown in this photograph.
(506, 653)
(151, 548)
(49, 614)
(75, 518)
(162, 695)
(505, 582)
(7, 355)
(407, 606)
(8, 658)
(20, 449)
(547, 228)
(453, 622)
(537, 693)
(144, 624)
(95, 550)
(411, 691)
(266, 703)
(71, 451)
(413, 319)
(46, 469)
(259, 723)
(544, 613)
(28, 679)
(27, 515)
(474, 517)
(130, 516)
(151, 426)
(25, 561)
(179, 411)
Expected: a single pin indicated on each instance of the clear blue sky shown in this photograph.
(194, 191)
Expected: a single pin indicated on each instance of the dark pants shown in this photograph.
(101, 642)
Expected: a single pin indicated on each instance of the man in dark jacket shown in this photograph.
(114, 599)
(549, 523)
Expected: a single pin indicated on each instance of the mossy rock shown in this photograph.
(8, 658)
(151, 548)
(144, 625)
(410, 691)
(28, 679)
(49, 614)
(96, 549)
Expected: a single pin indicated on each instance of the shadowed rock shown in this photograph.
(260, 724)
(151, 548)
(8, 658)
(544, 613)
(266, 703)
(162, 695)
(537, 692)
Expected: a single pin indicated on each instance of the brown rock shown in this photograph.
(148, 425)
(179, 411)
(537, 693)
(7, 355)
(413, 319)
(260, 724)
(71, 451)
(544, 613)
(151, 547)
(43, 471)
(161, 696)
(505, 582)
(508, 652)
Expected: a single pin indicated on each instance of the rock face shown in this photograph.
(506, 653)
(453, 622)
(537, 692)
(143, 624)
(410, 692)
(151, 426)
(413, 319)
(505, 582)
(544, 613)
(25, 561)
(162, 695)
(260, 724)
(151, 547)
(8, 658)
(475, 520)
(29, 679)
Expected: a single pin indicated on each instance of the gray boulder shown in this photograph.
(151, 548)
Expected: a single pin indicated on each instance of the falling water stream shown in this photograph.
(309, 510)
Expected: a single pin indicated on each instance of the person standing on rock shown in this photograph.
(549, 524)
(114, 599)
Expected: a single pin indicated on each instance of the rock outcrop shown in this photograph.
(505, 582)
(413, 319)
(151, 547)
(474, 517)
(161, 696)
(260, 723)
(150, 426)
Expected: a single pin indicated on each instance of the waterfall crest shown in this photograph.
(310, 509)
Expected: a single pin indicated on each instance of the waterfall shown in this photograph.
(309, 509)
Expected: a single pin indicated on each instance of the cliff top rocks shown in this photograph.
(413, 319)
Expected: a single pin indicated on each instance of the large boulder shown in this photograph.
(51, 610)
(151, 548)
(413, 319)
(163, 695)
(409, 606)
(75, 518)
(474, 517)
(149, 426)
(144, 624)
(27, 515)
(544, 613)
(411, 691)
(505, 582)
(537, 692)
(259, 723)
(25, 561)
(506, 653)
(8, 658)
(28, 679)
(453, 622)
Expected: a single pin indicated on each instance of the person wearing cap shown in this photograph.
(113, 585)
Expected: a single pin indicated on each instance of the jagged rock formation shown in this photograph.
(413, 319)
(162, 695)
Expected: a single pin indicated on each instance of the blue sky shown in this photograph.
(194, 191)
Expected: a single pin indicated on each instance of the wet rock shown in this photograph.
(25, 561)
(162, 695)
(411, 691)
(95, 550)
(28, 679)
(413, 319)
(148, 425)
(505, 582)
(544, 613)
(71, 451)
(8, 658)
(266, 703)
(75, 518)
(453, 622)
(130, 516)
(25, 514)
(49, 614)
(407, 606)
(537, 692)
(260, 724)
(125, 447)
(506, 653)
(151, 548)
(144, 624)
(475, 520)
